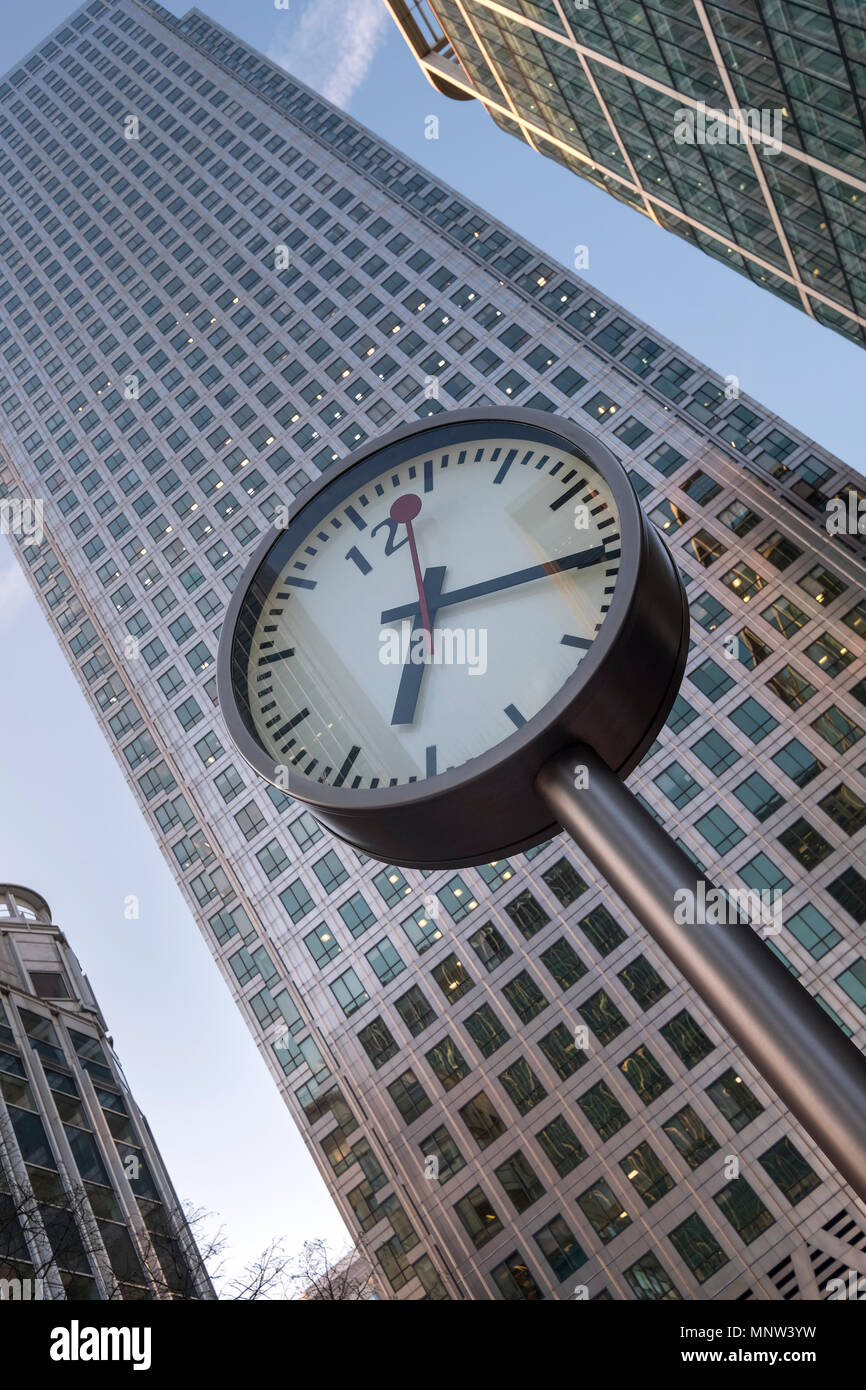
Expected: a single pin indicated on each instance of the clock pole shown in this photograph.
(805, 1058)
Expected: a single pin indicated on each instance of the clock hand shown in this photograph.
(413, 671)
(404, 509)
(581, 560)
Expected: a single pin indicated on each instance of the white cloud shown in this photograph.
(333, 46)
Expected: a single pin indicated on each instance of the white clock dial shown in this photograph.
(428, 610)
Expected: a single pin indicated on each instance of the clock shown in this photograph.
(443, 612)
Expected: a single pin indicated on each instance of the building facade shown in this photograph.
(214, 285)
(87, 1209)
(739, 126)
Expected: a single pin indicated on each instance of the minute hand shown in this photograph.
(581, 560)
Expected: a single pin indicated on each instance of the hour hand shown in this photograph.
(413, 672)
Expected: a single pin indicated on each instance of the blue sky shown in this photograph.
(69, 826)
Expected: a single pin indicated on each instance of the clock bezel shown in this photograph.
(490, 800)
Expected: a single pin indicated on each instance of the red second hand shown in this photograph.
(404, 510)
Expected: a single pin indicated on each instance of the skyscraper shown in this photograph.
(739, 127)
(215, 284)
(87, 1209)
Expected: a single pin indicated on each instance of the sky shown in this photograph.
(69, 825)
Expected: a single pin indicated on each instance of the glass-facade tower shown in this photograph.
(87, 1209)
(213, 285)
(738, 125)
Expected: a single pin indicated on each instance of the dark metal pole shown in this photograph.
(801, 1053)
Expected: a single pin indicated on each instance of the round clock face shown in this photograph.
(431, 602)
(443, 613)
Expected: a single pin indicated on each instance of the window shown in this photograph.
(524, 996)
(754, 721)
(837, 729)
(647, 1174)
(409, 1096)
(602, 1016)
(456, 898)
(50, 984)
(696, 1245)
(522, 1086)
(687, 1039)
(448, 1063)
(305, 831)
(527, 914)
(385, 961)
(482, 1120)
(478, 1217)
(711, 680)
(604, 1211)
(779, 550)
(700, 487)
(804, 842)
(845, 808)
(790, 687)
(514, 1281)
(668, 516)
(356, 913)
(603, 1110)
(349, 993)
(676, 784)
(813, 931)
(378, 1042)
(414, 1010)
(643, 982)
(730, 1094)
(853, 981)
(273, 859)
(789, 1171)
(563, 963)
(715, 753)
(602, 931)
(644, 1074)
(719, 830)
(489, 946)
(822, 584)
(452, 978)
(828, 653)
(564, 882)
(391, 884)
(330, 871)
(649, 1281)
(322, 945)
(422, 929)
(560, 1248)
(739, 518)
(561, 1146)
(440, 1147)
(785, 615)
(797, 762)
(758, 796)
(561, 1051)
(704, 548)
(520, 1181)
(690, 1136)
(741, 1205)
(296, 900)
